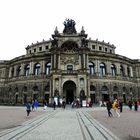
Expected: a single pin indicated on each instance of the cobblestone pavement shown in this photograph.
(68, 124)
(126, 127)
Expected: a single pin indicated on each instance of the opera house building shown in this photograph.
(70, 66)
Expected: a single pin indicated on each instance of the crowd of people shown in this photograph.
(117, 106)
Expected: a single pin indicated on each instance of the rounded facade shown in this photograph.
(69, 66)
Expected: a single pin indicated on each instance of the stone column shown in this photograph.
(82, 61)
(15, 70)
(54, 61)
(97, 67)
(22, 70)
(97, 92)
(31, 68)
(131, 72)
(43, 66)
(80, 66)
(88, 87)
(87, 61)
(118, 68)
(108, 68)
(10, 74)
(125, 70)
(59, 61)
(84, 57)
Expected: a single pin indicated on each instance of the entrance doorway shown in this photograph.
(69, 91)
(93, 98)
(69, 96)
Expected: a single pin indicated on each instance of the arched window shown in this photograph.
(82, 82)
(27, 70)
(47, 68)
(113, 70)
(105, 94)
(35, 88)
(18, 71)
(128, 72)
(91, 68)
(115, 92)
(104, 88)
(121, 70)
(102, 69)
(37, 69)
(12, 72)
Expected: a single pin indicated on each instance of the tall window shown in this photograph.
(37, 69)
(128, 72)
(121, 70)
(27, 70)
(93, 47)
(91, 68)
(12, 72)
(18, 71)
(102, 69)
(113, 70)
(48, 68)
(100, 48)
(69, 68)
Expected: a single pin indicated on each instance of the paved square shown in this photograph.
(70, 124)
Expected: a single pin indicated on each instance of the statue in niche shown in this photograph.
(84, 43)
(69, 26)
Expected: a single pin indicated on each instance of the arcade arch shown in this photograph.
(69, 91)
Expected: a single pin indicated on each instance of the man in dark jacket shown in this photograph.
(109, 106)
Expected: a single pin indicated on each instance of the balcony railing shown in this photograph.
(69, 72)
(125, 78)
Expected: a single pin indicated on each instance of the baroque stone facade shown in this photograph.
(69, 65)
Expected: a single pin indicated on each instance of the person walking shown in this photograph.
(120, 106)
(35, 104)
(130, 104)
(28, 108)
(54, 104)
(115, 107)
(63, 103)
(136, 106)
(109, 106)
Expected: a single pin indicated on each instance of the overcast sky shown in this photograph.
(23, 22)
